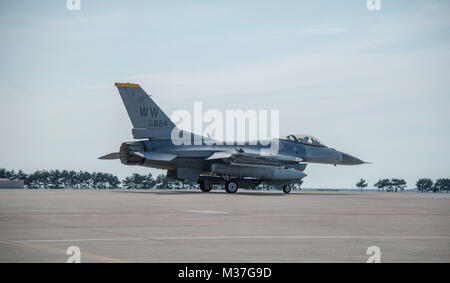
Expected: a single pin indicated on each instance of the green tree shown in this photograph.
(398, 184)
(383, 184)
(148, 182)
(128, 182)
(6, 174)
(361, 184)
(138, 181)
(441, 185)
(113, 181)
(72, 181)
(2, 173)
(20, 175)
(424, 185)
(84, 180)
(133, 182)
(54, 178)
(162, 182)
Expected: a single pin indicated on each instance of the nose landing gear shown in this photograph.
(286, 189)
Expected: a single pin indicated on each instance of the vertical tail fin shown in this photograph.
(148, 120)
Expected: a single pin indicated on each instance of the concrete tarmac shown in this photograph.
(191, 226)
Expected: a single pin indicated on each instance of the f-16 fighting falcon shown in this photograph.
(234, 166)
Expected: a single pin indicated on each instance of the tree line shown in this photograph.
(56, 179)
(138, 181)
(65, 179)
(396, 184)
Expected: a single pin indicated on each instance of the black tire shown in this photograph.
(286, 189)
(231, 187)
(206, 188)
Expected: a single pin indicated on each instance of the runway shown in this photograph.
(191, 226)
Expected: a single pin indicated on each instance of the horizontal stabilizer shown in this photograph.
(111, 156)
(156, 156)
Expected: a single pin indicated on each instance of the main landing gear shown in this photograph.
(231, 187)
(233, 184)
(205, 187)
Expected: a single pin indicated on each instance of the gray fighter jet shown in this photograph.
(234, 166)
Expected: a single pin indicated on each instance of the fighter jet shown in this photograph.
(233, 166)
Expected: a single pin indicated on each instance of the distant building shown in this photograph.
(11, 184)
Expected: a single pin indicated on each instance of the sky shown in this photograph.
(370, 83)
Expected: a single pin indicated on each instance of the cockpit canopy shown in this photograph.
(303, 139)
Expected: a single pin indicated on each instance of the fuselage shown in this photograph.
(195, 156)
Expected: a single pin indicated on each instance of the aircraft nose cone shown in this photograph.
(347, 159)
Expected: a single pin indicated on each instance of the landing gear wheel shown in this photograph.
(231, 187)
(286, 189)
(205, 187)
